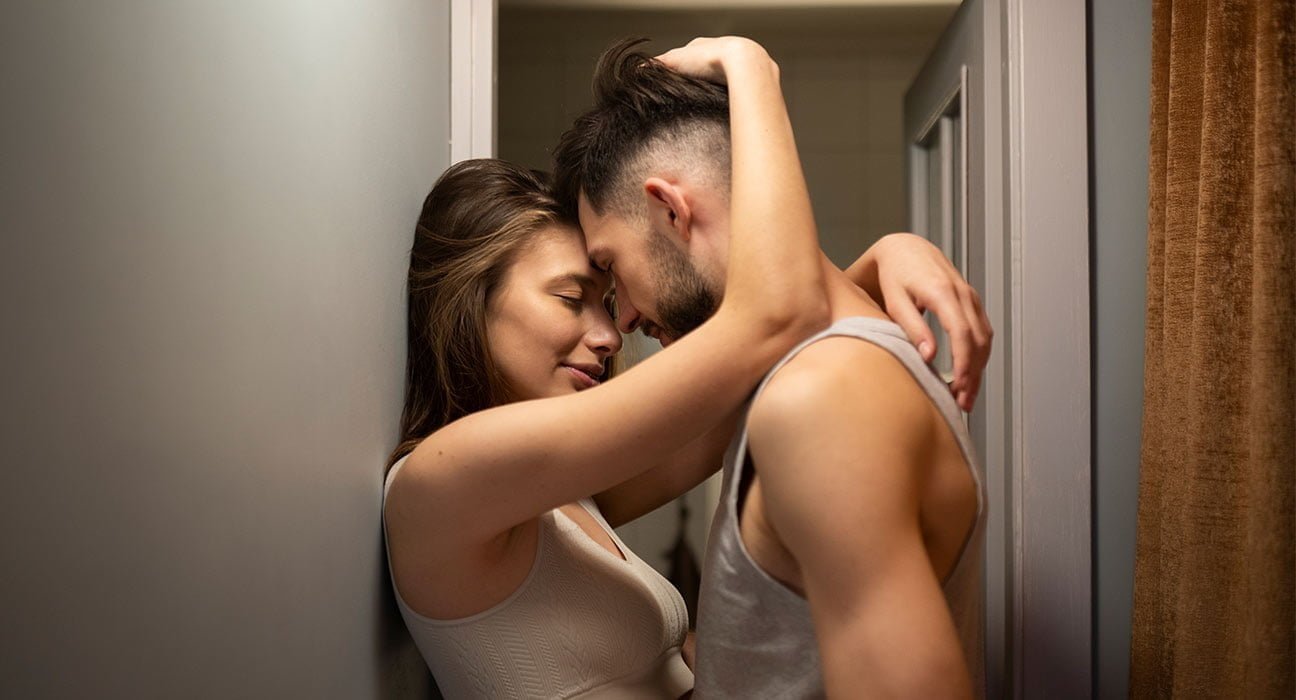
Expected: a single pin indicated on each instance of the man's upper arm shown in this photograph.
(840, 438)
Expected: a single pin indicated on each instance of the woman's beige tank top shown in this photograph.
(583, 624)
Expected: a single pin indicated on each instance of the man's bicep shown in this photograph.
(834, 491)
(832, 455)
(839, 481)
(888, 634)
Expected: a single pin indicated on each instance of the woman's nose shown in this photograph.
(604, 339)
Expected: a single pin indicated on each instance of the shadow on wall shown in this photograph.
(1056, 658)
(402, 673)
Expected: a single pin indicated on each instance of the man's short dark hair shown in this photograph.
(639, 106)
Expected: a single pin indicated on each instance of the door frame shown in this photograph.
(1046, 151)
(1037, 295)
(1032, 268)
(474, 31)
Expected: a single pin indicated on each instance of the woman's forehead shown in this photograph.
(559, 251)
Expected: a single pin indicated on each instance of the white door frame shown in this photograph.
(1047, 166)
(473, 33)
(1038, 297)
(1029, 95)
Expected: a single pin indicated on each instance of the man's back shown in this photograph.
(851, 485)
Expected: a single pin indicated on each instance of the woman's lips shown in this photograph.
(584, 380)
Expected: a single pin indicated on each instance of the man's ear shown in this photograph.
(668, 207)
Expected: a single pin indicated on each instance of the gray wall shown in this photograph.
(1120, 33)
(206, 208)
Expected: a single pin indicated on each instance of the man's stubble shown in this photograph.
(684, 298)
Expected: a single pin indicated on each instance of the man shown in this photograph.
(845, 555)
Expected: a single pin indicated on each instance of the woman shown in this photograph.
(506, 573)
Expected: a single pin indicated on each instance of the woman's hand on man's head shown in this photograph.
(710, 58)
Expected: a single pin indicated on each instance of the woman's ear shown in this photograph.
(668, 207)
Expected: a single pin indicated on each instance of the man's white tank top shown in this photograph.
(755, 638)
(583, 624)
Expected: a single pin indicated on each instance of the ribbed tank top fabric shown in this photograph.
(583, 624)
(755, 637)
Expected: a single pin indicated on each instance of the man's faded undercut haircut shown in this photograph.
(645, 117)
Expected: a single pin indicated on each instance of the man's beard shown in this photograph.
(684, 300)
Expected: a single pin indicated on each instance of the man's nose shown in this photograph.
(628, 317)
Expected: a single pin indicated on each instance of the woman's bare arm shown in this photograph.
(483, 474)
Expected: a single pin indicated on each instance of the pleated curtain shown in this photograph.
(1215, 572)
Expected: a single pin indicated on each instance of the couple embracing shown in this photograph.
(845, 556)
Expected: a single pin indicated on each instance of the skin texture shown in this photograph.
(677, 224)
(549, 323)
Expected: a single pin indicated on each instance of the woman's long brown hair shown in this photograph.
(475, 219)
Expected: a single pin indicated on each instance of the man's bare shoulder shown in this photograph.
(843, 389)
(842, 440)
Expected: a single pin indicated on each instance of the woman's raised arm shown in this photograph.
(485, 473)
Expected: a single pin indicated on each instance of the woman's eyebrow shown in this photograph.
(585, 281)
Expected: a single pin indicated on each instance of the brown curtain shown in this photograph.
(1215, 574)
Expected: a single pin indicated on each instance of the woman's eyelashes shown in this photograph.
(579, 301)
(574, 302)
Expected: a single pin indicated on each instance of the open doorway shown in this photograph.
(986, 100)
(845, 71)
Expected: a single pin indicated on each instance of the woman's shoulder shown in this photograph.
(415, 471)
(390, 478)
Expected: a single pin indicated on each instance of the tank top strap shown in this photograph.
(882, 332)
(756, 637)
